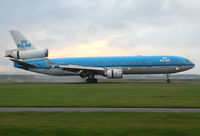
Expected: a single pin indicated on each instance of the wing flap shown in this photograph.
(77, 67)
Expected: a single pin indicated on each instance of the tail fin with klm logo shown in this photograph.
(21, 42)
(25, 50)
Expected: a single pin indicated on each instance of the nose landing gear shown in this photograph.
(168, 78)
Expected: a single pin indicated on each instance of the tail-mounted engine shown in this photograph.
(28, 54)
(114, 73)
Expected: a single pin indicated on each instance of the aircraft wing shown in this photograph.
(77, 67)
(74, 67)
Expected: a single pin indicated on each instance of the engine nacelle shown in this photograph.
(30, 54)
(114, 73)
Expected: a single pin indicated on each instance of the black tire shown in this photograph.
(94, 80)
(89, 80)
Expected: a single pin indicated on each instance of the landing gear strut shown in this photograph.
(168, 78)
(91, 79)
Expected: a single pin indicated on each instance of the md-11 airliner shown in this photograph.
(30, 58)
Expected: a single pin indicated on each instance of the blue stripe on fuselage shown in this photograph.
(126, 61)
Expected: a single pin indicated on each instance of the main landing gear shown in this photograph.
(89, 75)
(168, 78)
(91, 79)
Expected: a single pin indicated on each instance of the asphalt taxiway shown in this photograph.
(40, 109)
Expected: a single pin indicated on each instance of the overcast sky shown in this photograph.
(70, 28)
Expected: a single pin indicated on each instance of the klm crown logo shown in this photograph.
(164, 59)
(23, 44)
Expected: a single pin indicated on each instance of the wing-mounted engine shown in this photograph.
(114, 73)
(27, 54)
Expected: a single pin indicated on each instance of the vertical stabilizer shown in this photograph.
(21, 42)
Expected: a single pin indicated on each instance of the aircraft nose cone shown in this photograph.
(189, 63)
(192, 64)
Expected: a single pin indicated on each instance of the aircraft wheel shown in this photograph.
(93, 80)
(168, 81)
(88, 80)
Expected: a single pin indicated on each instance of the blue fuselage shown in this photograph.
(129, 64)
(126, 61)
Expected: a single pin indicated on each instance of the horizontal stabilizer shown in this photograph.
(22, 63)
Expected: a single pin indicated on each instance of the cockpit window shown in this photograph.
(187, 61)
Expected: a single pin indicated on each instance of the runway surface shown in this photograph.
(189, 83)
(101, 109)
